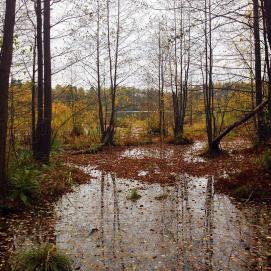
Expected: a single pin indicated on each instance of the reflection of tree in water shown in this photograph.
(175, 232)
(102, 220)
(209, 224)
(116, 224)
(117, 242)
(184, 224)
(179, 248)
(162, 221)
(176, 221)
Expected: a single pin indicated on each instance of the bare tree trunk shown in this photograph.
(180, 89)
(211, 84)
(163, 121)
(261, 129)
(39, 128)
(207, 81)
(33, 98)
(113, 69)
(5, 67)
(176, 94)
(43, 130)
(266, 11)
(161, 79)
(99, 89)
(47, 84)
(186, 77)
(252, 77)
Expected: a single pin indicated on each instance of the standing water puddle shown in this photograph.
(183, 227)
(190, 156)
(141, 153)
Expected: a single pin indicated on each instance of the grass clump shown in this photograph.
(134, 195)
(45, 257)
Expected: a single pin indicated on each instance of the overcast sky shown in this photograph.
(73, 41)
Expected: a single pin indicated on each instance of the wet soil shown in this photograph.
(159, 163)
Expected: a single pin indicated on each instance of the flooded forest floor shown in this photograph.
(238, 171)
(156, 207)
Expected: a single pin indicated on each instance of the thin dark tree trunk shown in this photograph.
(162, 102)
(176, 95)
(266, 12)
(179, 90)
(109, 133)
(180, 96)
(47, 84)
(33, 98)
(267, 9)
(99, 89)
(5, 67)
(258, 71)
(113, 69)
(186, 78)
(207, 84)
(39, 128)
(161, 79)
(42, 144)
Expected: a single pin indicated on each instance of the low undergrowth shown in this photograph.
(31, 183)
(24, 186)
(45, 257)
